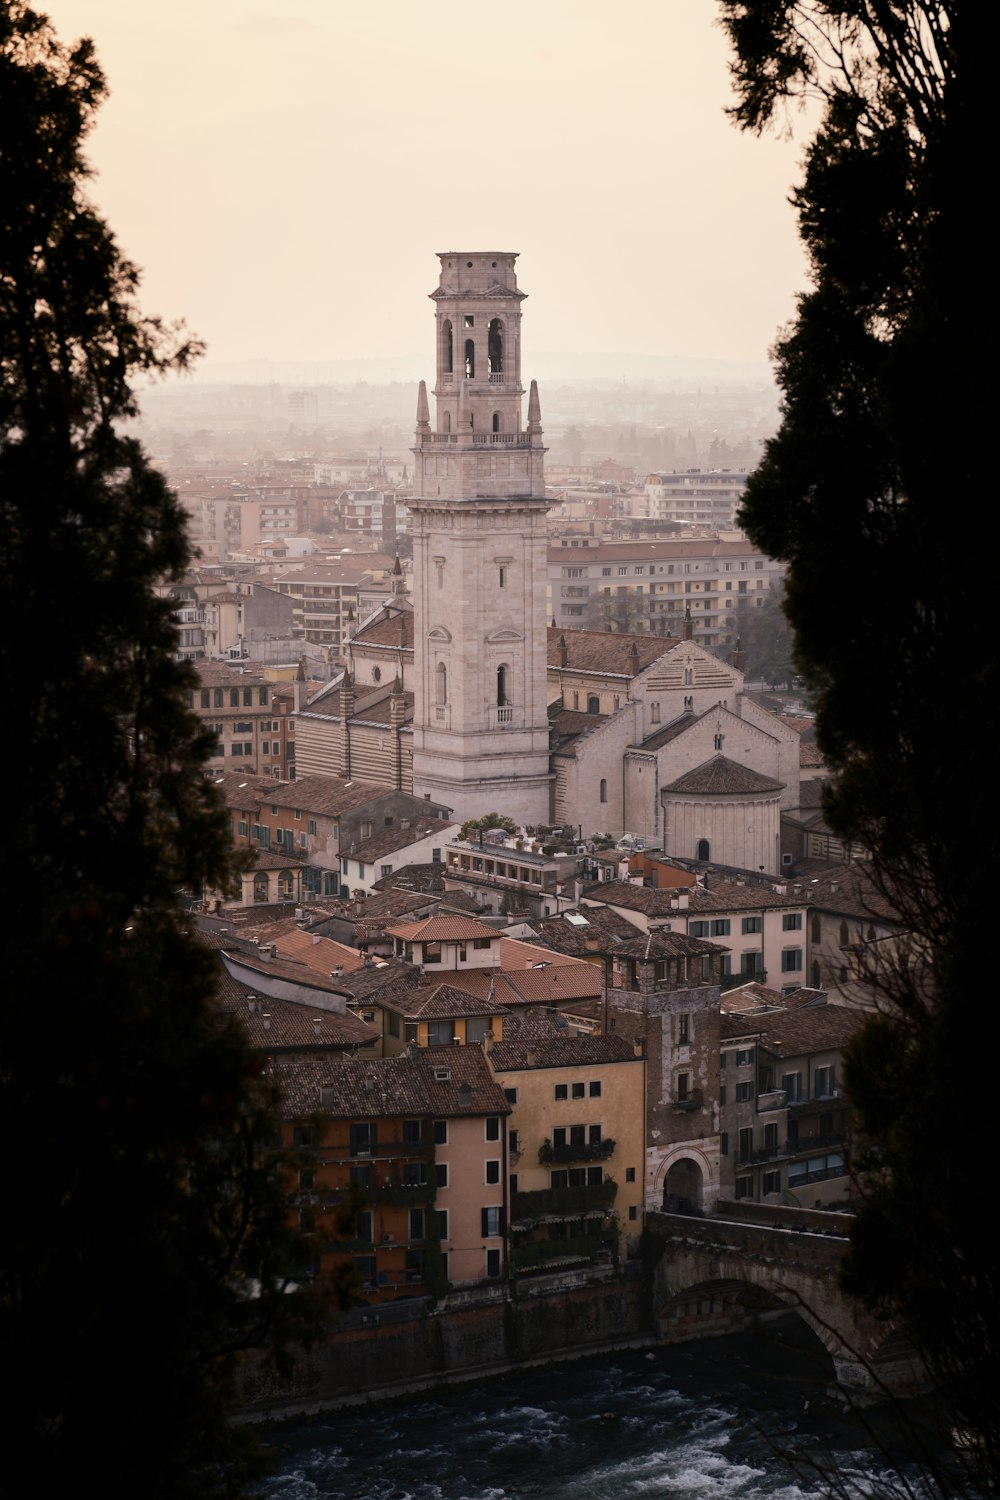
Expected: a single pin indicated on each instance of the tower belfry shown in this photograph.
(477, 445)
(480, 727)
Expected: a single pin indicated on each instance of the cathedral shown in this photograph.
(467, 698)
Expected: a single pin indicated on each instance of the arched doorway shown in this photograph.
(682, 1188)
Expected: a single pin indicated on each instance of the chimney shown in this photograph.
(688, 625)
(739, 656)
(266, 1018)
(316, 1025)
(633, 659)
(563, 652)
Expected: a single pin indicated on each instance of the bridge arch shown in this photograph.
(716, 1275)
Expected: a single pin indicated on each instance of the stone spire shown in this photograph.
(423, 409)
(534, 409)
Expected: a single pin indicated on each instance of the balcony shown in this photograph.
(536, 1253)
(595, 1151)
(746, 976)
(693, 1100)
(564, 1203)
(768, 1099)
(391, 1193)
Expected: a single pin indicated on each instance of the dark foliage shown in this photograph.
(875, 492)
(144, 1236)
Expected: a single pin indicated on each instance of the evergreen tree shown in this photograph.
(881, 514)
(144, 1240)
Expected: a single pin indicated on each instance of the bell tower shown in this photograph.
(480, 726)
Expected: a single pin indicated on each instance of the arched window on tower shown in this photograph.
(494, 346)
(447, 421)
(441, 684)
(470, 359)
(701, 852)
(497, 422)
(447, 347)
(604, 790)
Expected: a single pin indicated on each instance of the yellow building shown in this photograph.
(576, 1141)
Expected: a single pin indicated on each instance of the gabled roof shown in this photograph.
(604, 651)
(557, 984)
(322, 954)
(391, 629)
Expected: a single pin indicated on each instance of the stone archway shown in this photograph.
(684, 1187)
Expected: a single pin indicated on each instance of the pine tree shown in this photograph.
(144, 1238)
(881, 513)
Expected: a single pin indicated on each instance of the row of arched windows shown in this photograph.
(495, 335)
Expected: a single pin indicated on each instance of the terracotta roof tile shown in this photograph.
(605, 651)
(720, 777)
(567, 1050)
(442, 930)
(327, 795)
(389, 840)
(392, 1087)
(276, 1025)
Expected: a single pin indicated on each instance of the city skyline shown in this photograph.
(284, 181)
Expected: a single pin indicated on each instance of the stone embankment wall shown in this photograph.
(412, 1346)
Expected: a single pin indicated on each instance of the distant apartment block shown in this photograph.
(589, 578)
(692, 497)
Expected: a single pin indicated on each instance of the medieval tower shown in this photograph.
(480, 726)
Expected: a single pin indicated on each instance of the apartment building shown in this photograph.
(707, 579)
(325, 596)
(422, 1140)
(692, 497)
(784, 1117)
(576, 1140)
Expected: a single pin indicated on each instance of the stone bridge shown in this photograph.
(718, 1275)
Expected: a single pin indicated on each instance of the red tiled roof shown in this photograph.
(605, 651)
(721, 777)
(442, 930)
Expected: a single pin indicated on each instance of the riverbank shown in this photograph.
(459, 1340)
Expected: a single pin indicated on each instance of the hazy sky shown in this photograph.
(284, 172)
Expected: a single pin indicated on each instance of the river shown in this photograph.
(741, 1418)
